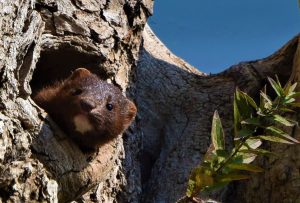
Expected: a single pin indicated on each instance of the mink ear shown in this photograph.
(79, 73)
(130, 113)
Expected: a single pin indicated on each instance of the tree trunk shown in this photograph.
(44, 40)
(177, 102)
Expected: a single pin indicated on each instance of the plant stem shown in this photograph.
(268, 111)
(222, 165)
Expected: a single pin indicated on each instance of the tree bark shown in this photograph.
(177, 102)
(44, 40)
(41, 42)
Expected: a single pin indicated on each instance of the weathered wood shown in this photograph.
(44, 40)
(41, 42)
(176, 103)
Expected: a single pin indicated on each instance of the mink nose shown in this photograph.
(87, 105)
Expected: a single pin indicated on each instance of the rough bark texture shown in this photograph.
(43, 41)
(177, 101)
(281, 180)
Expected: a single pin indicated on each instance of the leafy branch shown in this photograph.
(253, 124)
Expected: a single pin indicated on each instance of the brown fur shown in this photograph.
(83, 93)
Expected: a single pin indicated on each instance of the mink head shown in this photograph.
(90, 110)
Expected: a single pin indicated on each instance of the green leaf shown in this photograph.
(282, 120)
(259, 152)
(221, 167)
(286, 110)
(245, 133)
(253, 143)
(261, 112)
(266, 100)
(222, 153)
(200, 178)
(262, 99)
(290, 89)
(249, 100)
(191, 189)
(232, 177)
(288, 100)
(217, 133)
(287, 89)
(276, 86)
(245, 167)
(209, 153)
(245, 158)
(292, 121)
(293, 95)
(250, 144)
(274, 139)
(293, 87)
(295, 104)
(278, 82)
(287, 136)
(252, 121)
(275, 130)
(242, 104)
(281, 133)
(236, 116)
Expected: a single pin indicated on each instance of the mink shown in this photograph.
(90, 110)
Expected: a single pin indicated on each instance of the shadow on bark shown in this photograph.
(176, 103)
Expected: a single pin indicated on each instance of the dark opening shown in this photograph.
(55, 65)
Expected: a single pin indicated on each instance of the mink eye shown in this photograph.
(76, 92)
(109, 106)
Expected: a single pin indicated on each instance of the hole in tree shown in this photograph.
(56, 65)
